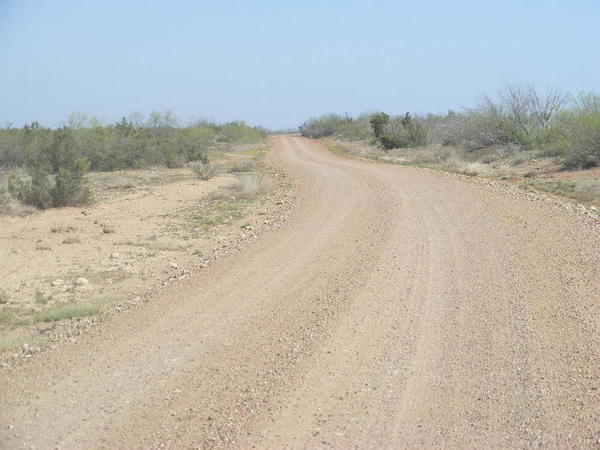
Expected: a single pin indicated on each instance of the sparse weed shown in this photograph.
(243, 166)
(67, 311)
(204, 170)
(249, 185)
(10, 344)
(41, 298)
(582, 189)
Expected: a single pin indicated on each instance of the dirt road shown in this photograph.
(397, 308)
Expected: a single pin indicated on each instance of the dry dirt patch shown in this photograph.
(146, 229)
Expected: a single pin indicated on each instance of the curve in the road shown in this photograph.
(397, 308)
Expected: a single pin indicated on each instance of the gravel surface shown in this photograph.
(396, 308)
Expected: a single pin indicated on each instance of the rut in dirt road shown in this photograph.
(397, 308)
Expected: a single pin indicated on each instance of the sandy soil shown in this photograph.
(396, 308)
(118, 238)
(146, 229)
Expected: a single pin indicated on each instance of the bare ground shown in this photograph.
(398, 307)
(146, 229)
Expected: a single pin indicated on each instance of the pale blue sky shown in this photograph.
(276, 63)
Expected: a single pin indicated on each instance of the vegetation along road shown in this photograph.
(397, 308)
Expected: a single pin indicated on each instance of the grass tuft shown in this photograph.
(582, 189)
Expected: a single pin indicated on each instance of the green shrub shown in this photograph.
(404, 133)
(132, 142)
(42, 190)
(345, 127)
(580, 147)
(518, 117)
(34, 191)
(70, 185)
(379, 123)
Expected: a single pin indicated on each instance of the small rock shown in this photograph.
(57, 283)
(174, 265)
(108, 229)
(81, 281)
(115, 255)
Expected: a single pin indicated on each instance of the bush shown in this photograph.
(34, 191)
(403, 133)
(42, 190)
(132, 142)
(203, 170)
(519, 117)
(379, 123)
(345, 127)
(580, 146)
(70, 185)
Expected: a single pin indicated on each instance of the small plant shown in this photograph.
(70, 185)
(243, 166)
(249, 185)
(4, 198)
(41, 298)
(108, 229)
(204, 170)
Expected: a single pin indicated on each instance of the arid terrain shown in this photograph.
(524, 168)
(396, 307)
(147, 229)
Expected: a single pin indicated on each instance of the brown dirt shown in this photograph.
(397, 308)
(69, 243)
(146, 229)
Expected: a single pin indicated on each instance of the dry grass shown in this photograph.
(64, 311)
(204, 170)
(582, 189)
(250, 184)
(10, 344)
(489, 162)
(243, 166)
(439, 157)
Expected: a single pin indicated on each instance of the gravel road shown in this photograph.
(397, 308)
